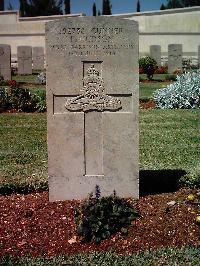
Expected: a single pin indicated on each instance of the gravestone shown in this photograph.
(5, 61)
(155, 53)
(198, 56)
(174, 57)
(92, 103)
(24, 58)
(38, 58)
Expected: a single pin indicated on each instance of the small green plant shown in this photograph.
(191, 180)
(100, 217)
(148, 65)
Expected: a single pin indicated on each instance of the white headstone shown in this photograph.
(38, 58)
(24, 59)
(174, 57)
(155, 53)
(5, 61)
(92, 103)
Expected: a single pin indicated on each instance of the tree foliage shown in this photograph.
(106, 10)
(138, 6)
(1, 5)
(33, 8)
(94, 10)
(67, 6)
(179, 4)
(162, 7)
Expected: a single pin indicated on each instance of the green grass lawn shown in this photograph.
(147, 89)
(23, 153)
(25, 78)
(165, 257)
(168, 140)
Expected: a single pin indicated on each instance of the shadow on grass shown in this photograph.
(25, 189)
(151, 182)
(159, 181)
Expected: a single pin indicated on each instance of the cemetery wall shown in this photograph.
(178, 26)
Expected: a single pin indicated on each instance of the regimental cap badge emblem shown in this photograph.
(92, 95)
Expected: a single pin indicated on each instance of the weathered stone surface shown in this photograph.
(38, 58)
(92, 103)
(5, 61)
(24, 58)
(155, 53)
(199, 56)
(174, 57)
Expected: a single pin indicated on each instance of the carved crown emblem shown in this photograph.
(92, 95)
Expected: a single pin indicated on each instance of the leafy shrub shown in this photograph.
(148, 65)
(184, 93)
(3, 99)
(39, 100)
(21, 100)
(41, 78)
(3, 82)
(12, 83)
(99, 217)
(161, 70)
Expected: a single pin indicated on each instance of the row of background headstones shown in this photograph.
(174, 60)
(29, 58)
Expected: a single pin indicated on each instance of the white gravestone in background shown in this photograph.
(175, 55)
(38, 58)
(5, 61)
(155, 53)
(24, 59)
(92, 103)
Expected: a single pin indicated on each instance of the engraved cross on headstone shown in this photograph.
(93, 101)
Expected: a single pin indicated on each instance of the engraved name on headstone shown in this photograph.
(155, 53)
(92, 103)
(24, 58)
(174, 57)
(5, 61)
(38, 58)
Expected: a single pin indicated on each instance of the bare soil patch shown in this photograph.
(31, 225)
